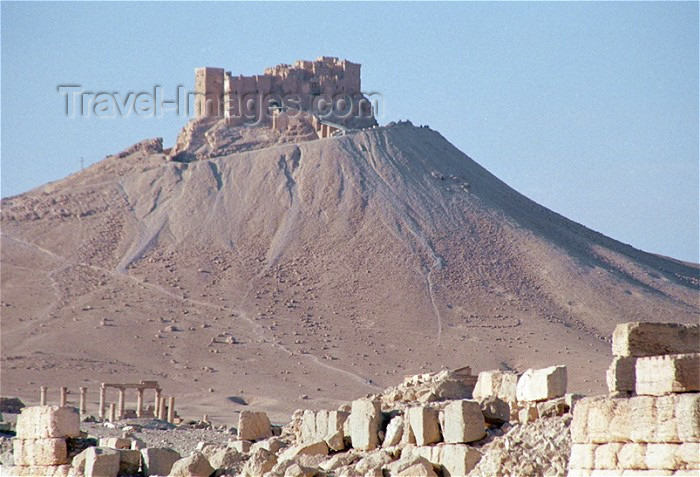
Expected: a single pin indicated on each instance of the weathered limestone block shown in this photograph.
(673, 418)
(365, 418)
(225, 458)
(582, 456)
(41, 422)
(394, 432)
(659, 375)
(464, 422)
(158, 460)
(327, 425)
(28, 452)
(661, 456)
(273, 444)
(620, 376)
(687, 412)
(500, 384)
(101, 462)
(652, 339)
(632, 456)
(115, 442)
(606, 456)
(253, 426)
(398, 466)
(407, 437)
(458, 459)
(261, 461)
(542, 384)
(318, 447)
(688, 455)
(129, 461)
(195, 465)
(424, 424)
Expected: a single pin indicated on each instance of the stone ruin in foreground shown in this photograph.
(440, 424)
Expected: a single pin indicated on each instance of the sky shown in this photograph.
(590, 109)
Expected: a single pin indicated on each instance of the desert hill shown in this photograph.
(306, 274)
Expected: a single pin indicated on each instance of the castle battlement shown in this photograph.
(327, 88)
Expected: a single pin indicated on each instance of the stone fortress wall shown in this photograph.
(328, 89)
(650, 422)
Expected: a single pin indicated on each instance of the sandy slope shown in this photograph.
(323, 269)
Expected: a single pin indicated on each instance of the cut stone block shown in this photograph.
(500, 384)
(673, 418)
(394, 432)
(653, 339)
(632, 456)
(41, 422)
(101, 462)
(253, 426)
(658, 375)
(542, 384)
(662, 456)
(273, 444)
(34, 452)
(261, 461)
(582, 456)
(606, 456)
(195, 465)
(326, 425)
(458, 459)
(308, 448)
(464, 422)
(225, 458)
(620, 376)
(365, 418)
(688, 455)
(158, 460)
(424, 424)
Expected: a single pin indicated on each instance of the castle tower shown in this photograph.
(209, 91)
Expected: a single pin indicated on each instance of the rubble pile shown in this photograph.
(445, 424)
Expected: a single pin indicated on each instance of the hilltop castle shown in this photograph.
(325, 93)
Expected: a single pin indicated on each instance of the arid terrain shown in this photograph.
(305, 275)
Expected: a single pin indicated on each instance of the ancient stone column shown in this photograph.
(171, 410)
(139, 403)
(161, 409)
(64, 396)
(112, 412)
(120, 405)
(42, 398)
(156, 406)
(103, 391)
(81, 407)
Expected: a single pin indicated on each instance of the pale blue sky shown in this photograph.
(591, 109)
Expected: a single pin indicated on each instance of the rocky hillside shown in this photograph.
(300, 274)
